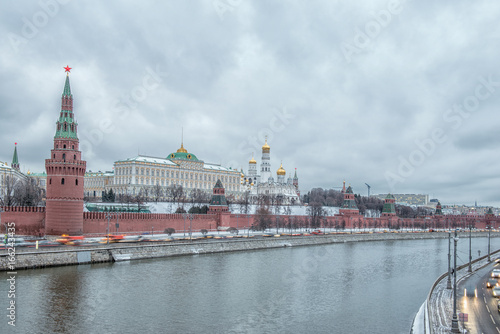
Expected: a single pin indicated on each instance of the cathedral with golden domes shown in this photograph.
(285, 191)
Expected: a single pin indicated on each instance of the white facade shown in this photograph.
(285, 191)
(132, 175)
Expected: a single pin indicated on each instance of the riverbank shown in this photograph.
(67, 255)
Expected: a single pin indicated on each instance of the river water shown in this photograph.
(369, 287)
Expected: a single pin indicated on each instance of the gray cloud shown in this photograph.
(225, 76)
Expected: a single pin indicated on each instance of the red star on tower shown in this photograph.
(67, 68)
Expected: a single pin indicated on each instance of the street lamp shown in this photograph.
(470, 249)
(1, 210)
(489, 234)
(454, 320)
(107, 233)
(448, 284)
(190, 224)
(184, 215)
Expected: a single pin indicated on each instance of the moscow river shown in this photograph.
(369, 287)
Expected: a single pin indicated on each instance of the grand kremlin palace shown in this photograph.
(179, 168)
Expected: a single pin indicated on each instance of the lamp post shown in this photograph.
(107, 232)
(448, 284)
(470, 249)
(6, 234)
(1, 210)
(190, 225)
(489, 234)
(454, 320)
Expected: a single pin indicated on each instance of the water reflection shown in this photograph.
(320, 289)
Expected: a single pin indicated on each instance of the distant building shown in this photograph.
(407, 199)
(96, 183)
(9, 175)
(144, 173)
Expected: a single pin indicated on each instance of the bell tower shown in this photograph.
(65, 171)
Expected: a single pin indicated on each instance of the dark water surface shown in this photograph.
(370, 287)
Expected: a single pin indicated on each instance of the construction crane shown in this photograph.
(368, 189)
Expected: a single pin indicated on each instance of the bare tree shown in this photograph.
(7, 196)
(157, 193)
(145, 193)
(139, 200)
(263, 218)
(199, 196)
(175, 193)
(244, 202)
(27, 193)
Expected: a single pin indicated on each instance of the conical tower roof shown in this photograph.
(67, 88)
(218, 184)
(15, 160)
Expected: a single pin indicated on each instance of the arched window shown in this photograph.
(76, 182)
(64, 144)
(64, 156)
(50, 181)
(54, 156)
(62, 180)
(73, 147)
(74, 156)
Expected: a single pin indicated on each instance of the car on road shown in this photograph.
(495, 273)
(491, 283)
(496, 291)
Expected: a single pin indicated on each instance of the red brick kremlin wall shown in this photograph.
(31, 221)
(27, 220)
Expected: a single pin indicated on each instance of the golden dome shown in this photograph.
(182, 149)
(266, 147)
(252, 161)
(281, 171)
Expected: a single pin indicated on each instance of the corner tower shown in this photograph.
(65, 171)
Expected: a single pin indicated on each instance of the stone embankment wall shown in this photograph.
(27, 259)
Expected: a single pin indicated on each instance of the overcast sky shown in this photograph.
(402, 95)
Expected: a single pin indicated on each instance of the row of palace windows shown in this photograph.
(175, 174)
(211, 178)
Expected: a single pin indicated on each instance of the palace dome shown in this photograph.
(182, 149)
(183, 154)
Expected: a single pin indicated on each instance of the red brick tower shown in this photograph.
(218, 202)
(349, 206)
(389, 207)
(65, 171)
